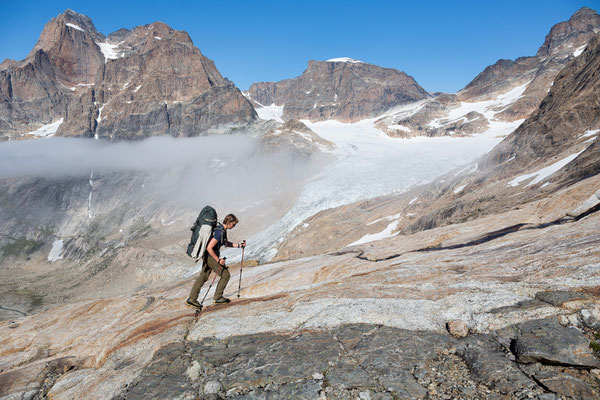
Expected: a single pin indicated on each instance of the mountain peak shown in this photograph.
(582, 12)
(585, 23)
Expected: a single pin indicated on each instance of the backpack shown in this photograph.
(201, 232)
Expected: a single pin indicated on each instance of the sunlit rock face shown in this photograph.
(506, 91)
(341, 89)
(149, 81)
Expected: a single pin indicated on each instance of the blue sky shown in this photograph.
(442, 44)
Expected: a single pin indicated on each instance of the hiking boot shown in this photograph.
(222, 300)
(193, 303)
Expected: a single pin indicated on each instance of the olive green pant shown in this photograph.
(209, 266)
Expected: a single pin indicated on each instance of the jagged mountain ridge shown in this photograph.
(342, 89)
(506, 91)
(148, 81)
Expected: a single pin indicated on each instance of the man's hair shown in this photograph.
(230, 218)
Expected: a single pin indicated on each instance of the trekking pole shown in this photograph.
(241, 266)
(213, 281)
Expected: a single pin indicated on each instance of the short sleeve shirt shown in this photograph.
(220, 235)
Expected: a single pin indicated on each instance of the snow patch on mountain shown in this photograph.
(544, 172)
(384, 234)
(345, 60)
(46, 130)
(109, 50)
(75, 27)
(56, 251)
(270, 112)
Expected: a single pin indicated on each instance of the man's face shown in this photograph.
(230, 225)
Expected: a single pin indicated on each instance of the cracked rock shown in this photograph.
(548, 342)
(566, 385)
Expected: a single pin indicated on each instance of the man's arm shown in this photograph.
(211, 251)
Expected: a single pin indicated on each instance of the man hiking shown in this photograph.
(213, 262)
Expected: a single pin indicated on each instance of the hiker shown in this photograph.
(213, 262)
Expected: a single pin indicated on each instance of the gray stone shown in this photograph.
(558, 297)
(547, 396)
(567, 385)
(212, 387)
(548, 342)
(591, 318)
(490, 366)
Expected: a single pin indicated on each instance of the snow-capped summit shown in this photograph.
(344, 59)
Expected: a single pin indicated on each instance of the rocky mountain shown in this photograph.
(506, 91)
(554, 151)
(149, 81)
(342, 89)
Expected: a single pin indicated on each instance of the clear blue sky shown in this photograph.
(442, 44)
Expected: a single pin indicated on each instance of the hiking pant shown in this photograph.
(211, 265)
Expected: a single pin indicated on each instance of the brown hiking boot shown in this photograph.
(193, 303)
(222, 300)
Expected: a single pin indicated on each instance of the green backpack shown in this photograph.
(201, 232)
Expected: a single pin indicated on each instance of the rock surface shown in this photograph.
(548, 342)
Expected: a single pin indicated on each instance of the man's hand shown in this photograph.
(222, 261)
(242, 244)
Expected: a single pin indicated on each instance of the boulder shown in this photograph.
(457, 328)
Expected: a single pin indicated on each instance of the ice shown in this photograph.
(485, 107)
(344, 59)
(75, 27)
(459, 189)
(389, 218)
(55, 252)
(109, 50)
(580, 50)
(590, 133)
(369, 164)
(544, 172)
(384, 234)
(157, 38)
(270, 112)
(46, 130)
(413, 200)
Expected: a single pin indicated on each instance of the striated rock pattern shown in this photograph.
(149, 81)
(341, 89)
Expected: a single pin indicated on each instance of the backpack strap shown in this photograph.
(221, 228)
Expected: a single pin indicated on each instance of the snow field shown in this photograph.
(371, 164)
